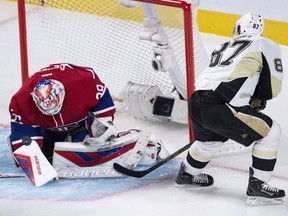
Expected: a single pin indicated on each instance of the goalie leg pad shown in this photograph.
(82, 154)
(69, 154)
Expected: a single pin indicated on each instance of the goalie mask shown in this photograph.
(48, 96)
(249, 24)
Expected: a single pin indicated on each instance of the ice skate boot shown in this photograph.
(201, 180)
(261, 193)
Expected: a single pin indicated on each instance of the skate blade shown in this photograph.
(185, 186)
(191, 186)
(254, 201)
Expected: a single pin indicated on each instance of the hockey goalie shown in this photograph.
(63, 115)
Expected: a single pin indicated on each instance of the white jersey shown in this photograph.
(242, 67)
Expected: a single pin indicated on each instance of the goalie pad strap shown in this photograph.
(137, 152)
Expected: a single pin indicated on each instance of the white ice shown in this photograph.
(225, 198)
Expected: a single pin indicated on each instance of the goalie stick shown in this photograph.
(142, 173)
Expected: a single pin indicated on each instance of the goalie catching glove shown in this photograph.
(147, 102)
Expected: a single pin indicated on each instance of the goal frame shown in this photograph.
(188, 36)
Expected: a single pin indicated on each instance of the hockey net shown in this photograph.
(114, 38)
(106, 36)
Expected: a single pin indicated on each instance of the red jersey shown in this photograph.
(84, 92)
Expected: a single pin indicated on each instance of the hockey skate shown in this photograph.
(261, 193)
(202, 180)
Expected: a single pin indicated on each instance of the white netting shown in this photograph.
(104, 35)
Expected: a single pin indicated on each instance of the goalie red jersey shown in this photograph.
(57, 98)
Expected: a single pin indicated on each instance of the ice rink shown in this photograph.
(155, 194)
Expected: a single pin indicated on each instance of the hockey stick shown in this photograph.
(142, 173)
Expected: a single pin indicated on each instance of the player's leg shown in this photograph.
(244, 125)
(199, 155)
(248, 126)
(206, 145)
(264, 155)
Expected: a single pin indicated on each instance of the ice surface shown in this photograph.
(155, 194)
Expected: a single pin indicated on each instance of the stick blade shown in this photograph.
(128, 172)
(142, 173)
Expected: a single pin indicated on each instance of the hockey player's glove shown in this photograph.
(257, 103)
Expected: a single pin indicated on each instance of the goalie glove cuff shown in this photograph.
(171, 108)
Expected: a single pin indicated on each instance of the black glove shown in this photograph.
(257, 103)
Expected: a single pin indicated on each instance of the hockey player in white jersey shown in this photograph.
(230, 93)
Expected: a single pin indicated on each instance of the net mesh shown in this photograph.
(104, 35)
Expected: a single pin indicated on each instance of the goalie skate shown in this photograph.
(261, 193)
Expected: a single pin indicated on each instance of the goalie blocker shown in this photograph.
(149, 103)
(33, 162)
